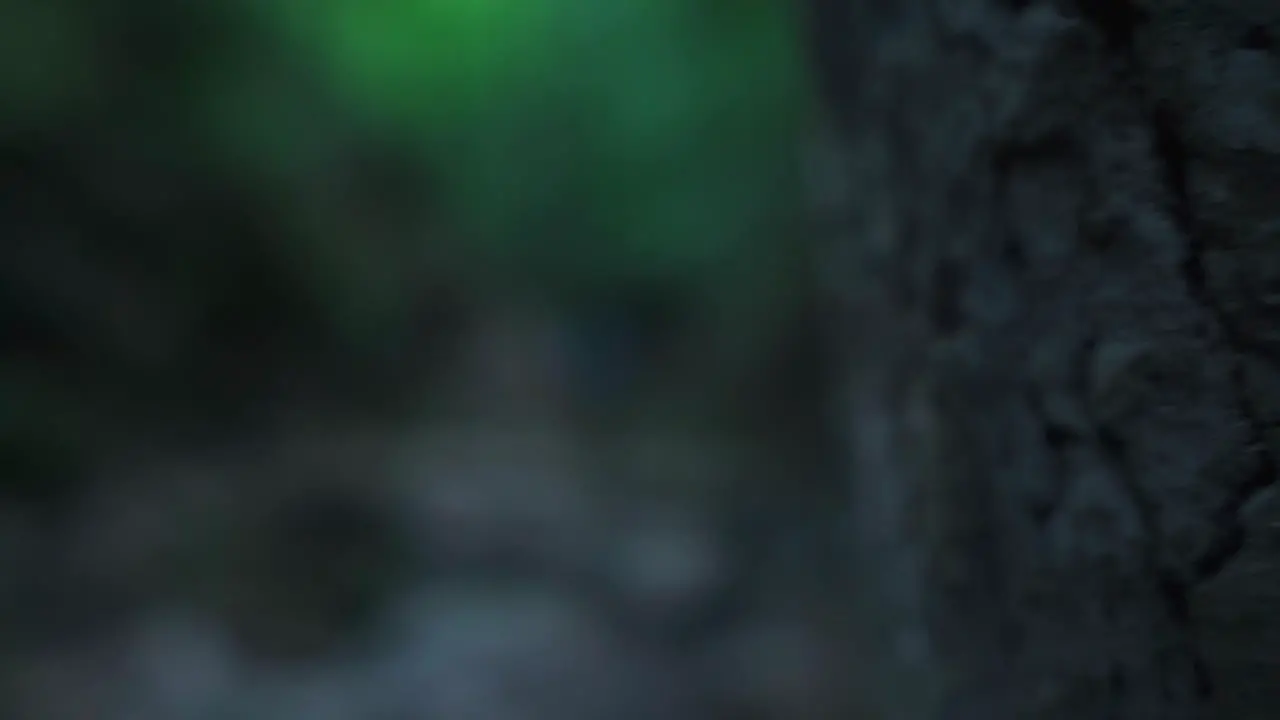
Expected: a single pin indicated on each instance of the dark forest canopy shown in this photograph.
(203, 199)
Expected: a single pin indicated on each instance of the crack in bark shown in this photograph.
(1171, 151)
(1175, 591)
(1060, 437)
(1120, 22)
(1116, 20)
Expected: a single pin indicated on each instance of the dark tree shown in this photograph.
(1057, 257)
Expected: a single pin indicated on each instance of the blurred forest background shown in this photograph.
(306, 305)
(197, 197)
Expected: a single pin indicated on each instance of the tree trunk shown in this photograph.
(1054, 294)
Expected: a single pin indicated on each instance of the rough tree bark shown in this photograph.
(1054, 265)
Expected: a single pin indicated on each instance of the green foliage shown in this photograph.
(636, 139)
(573, 147)
(577, 144)
(46, 63)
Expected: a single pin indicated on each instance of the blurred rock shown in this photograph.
(666, 568)
(784, 662)
(477, 494)
(520, 652)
